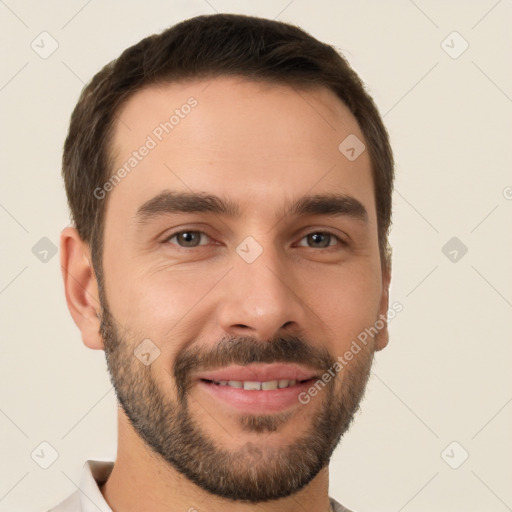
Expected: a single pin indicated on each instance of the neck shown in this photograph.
(141, 480)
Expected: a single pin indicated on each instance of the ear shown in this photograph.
(382, 338)
(81, 287)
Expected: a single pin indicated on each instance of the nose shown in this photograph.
(261, 299)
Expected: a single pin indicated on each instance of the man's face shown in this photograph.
(272, 288)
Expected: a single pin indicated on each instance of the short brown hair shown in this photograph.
(204, 47)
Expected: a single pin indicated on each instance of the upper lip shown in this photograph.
(259, 373)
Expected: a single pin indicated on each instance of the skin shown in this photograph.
(257, 145)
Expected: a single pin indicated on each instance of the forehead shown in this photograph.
(229, 135)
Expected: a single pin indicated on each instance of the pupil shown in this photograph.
(323, 238)
(189, 238)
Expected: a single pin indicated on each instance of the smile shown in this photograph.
(252, 385)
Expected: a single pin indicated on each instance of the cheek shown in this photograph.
(349, 303)
(165, 305)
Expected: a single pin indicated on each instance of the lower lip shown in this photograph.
(254, 401)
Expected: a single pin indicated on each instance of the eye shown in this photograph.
(187, 238)
(322, 239)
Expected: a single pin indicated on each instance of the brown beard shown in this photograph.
(255, 472)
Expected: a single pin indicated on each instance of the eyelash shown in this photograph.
(340, 241)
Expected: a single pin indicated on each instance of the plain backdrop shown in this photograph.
(440, 395)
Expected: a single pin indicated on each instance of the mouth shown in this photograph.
(257, 389)
(252, 385)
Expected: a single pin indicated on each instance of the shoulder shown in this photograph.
(70, 504)
(338, 507)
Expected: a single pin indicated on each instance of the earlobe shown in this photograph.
(81, 287)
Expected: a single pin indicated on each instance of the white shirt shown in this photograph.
(88, 497)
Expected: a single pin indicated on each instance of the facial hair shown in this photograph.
(253, 473)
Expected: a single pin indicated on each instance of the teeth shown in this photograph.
(271, 384)
(256, 385)
(249, 384)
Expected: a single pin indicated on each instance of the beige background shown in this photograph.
(445, 375)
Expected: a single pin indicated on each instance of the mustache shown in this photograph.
(245, 350)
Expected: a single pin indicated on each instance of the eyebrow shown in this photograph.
(168, 202)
